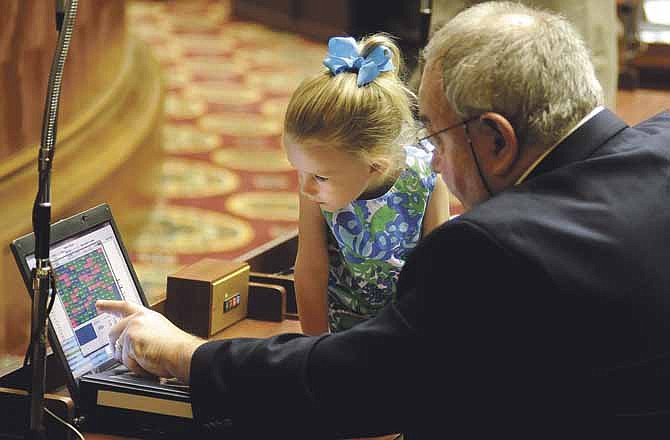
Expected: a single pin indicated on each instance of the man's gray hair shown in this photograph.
(529, 65)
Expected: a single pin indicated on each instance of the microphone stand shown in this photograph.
(43, 278)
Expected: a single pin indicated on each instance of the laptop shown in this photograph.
(89, 263)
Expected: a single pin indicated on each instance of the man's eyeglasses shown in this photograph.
(422, 143)
(422, 134)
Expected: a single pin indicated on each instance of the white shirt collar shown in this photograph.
(534, 165)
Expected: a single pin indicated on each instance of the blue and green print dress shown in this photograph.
(369, 240)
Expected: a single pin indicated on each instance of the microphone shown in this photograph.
(60, 14)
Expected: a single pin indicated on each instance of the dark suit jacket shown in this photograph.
(544, 309)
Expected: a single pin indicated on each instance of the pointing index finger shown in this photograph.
(118, 308)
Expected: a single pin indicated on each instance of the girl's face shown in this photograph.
(329, 177)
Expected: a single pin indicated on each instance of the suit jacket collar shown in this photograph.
(582, 142)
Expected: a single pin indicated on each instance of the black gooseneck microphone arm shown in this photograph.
(42, 274)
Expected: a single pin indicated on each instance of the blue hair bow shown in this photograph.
(343, 56)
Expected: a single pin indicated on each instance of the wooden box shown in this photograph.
(208, 296)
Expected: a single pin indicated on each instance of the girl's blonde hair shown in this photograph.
(373, 121)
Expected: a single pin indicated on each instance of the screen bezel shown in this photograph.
(24, 247)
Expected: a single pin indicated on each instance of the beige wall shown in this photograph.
(596, 20)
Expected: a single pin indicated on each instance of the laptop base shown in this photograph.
(117, 401)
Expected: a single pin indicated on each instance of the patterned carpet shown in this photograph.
(225, 186)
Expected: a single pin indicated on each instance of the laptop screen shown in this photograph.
(88, 265)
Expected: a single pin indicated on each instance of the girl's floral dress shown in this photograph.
(369, 240)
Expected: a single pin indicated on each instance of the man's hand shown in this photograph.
(148, 343)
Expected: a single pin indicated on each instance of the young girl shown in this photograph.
(365, 198)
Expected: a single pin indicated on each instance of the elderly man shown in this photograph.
(544, 308)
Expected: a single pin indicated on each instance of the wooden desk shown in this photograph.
(259, 329)
(245, 328)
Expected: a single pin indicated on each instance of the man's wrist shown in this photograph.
(181, 367)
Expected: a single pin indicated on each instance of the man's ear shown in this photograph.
(380, 166)
(505, 145)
